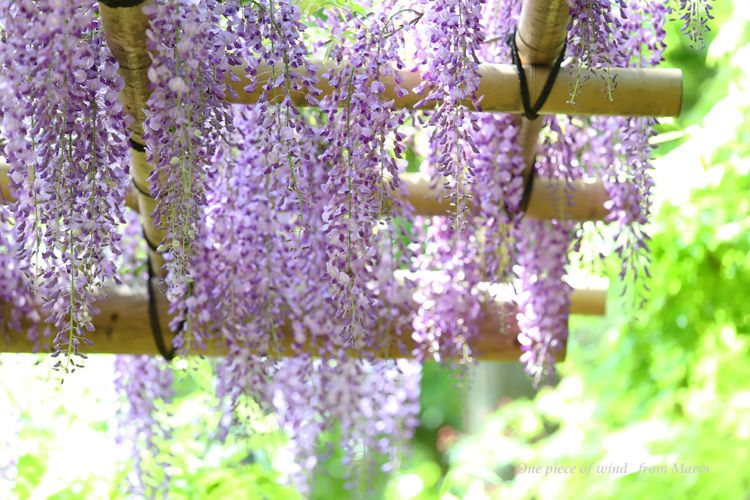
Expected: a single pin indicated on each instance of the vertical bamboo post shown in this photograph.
(541, 34)
(125, 28)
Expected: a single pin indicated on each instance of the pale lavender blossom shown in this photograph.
(144, 384)
(66, 149)
(185, 127)
(543, 297)
(695, 16)
(450, 38)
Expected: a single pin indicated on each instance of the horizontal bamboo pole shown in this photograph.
(6, 195)
(549, 198)
(639, 92)
(123, 327)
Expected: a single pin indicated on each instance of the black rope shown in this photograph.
(137, 146)
(527, 189)
(154, 248)
(153, 315)
(144, 192)
(116, 4)
(529, 111)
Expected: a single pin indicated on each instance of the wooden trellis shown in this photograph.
(123, 325)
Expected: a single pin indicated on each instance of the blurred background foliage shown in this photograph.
(665, 384)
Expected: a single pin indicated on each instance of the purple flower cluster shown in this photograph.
(644, 34)
(247, 289)
(144, 384)
(544, 298)
(499, 19)
(132, 264)
(619, 146)
(450, 38)
(453, 262)
(594, 39)
(363, 144)
(255, 290)
(66, 149)
(186, 121)
(695, 15)
(19, 305)
(259, 279)
(446, 321)
(498, 172)
(269, 38)
(373, 406)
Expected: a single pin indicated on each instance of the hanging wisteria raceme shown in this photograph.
(336, 388)
(258, 34)
(15, 289)
(144, 384)
(544, 298)
(364, 247)
(622, 146)
(450, 38)
(131, 265)
(295, 393)
(644, 27)
(499, 19)
(245, 267)
(695, 16)
(447, 263)
(499, 168)
(66, 149)
(269, 37)
(385, 395)
(446, 321)
(372, 406)
(396, 415)
(248, 235)
(595, 37)
(247, 292)
(619, 146)
(541, 252)
(363, 144)
(187, 120)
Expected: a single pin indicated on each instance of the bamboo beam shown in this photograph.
(125, 26)
(6, 195)
(639, 92)
(122, 327)
(125, 31)
(549, 199)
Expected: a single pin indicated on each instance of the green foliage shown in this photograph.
(316, 7)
